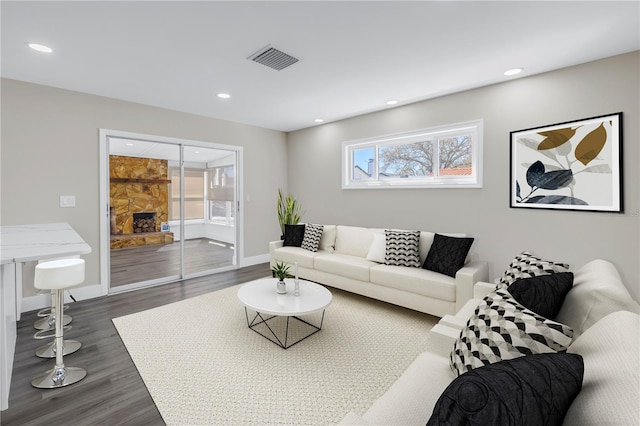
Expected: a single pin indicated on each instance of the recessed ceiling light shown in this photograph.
(513, 71)
(223, 95)
(391, 102)
(40, 47)
(129, 144)
(318, 120)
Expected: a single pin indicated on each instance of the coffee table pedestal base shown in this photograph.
(271, 334)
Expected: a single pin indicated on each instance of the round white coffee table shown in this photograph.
(260, 296)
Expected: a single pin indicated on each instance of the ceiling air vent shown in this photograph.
(273, 58)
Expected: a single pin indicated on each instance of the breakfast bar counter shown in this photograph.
(20, 244)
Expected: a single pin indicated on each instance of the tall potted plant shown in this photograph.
(289, 211)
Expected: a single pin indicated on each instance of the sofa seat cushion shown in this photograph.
(344, 265)
(415, 280)
(411, 399)
(297, 254)
(611, 388)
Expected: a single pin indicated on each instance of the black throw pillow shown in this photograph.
(447, 254)
(530, 390)
(543, 294)
(293, 235)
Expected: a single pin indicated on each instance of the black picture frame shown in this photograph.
(574, 165)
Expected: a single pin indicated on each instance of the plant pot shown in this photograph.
(281, 287)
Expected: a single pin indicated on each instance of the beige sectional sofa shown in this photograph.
(606, 324)
(341, 262)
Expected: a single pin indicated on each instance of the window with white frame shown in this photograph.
(221, 195)
(441, 157)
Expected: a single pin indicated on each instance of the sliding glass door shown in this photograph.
(209, 200)
(172, 210)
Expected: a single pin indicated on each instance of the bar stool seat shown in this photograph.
(58, 275)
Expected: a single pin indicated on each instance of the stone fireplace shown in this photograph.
(139, 197)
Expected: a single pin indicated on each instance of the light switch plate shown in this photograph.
(67, 201)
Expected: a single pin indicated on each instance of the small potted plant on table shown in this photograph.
(281, 271)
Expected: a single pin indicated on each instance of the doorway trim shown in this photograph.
(105, 226)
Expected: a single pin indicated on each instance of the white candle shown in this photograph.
(296, 269)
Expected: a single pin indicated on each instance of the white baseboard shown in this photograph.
(255, 260)
(40, 301)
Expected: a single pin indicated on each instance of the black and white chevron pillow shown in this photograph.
(402, 248)
(312, 235)
(526, 265)
(501, 329)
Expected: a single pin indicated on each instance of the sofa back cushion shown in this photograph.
(597, 291)
(610, 389)
(354, 240)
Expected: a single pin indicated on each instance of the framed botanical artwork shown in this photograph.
(576, 165)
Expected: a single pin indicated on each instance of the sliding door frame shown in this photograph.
(104, 223)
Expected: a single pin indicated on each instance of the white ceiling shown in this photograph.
(353, 56)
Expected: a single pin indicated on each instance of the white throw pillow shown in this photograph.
(377, 249)
(328, 240)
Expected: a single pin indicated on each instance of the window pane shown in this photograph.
(407, 160)
(221, 184)
(455, 156)
(363, 163)
(194, 194)
(222, 212)
(194, 185)
(437, 157)
(193, 209)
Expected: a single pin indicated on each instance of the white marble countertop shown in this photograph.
(25, 243)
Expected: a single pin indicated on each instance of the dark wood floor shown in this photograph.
(113, 392)
(136, 264)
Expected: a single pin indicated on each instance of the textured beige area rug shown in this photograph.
(203, 366)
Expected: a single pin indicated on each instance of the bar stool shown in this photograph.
(57, 275)
(48, 316)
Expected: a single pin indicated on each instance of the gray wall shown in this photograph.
(50, 148)
(588, 90)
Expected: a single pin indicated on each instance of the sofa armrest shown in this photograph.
(272, 246)
(481, 289)
(441, 339)
(466, 277)
(459, 320)
(454, 321)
